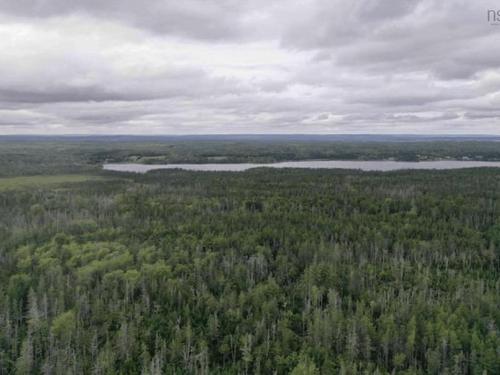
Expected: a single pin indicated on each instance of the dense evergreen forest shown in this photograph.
(259, 272)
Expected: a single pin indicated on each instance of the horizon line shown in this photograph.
(249, 134)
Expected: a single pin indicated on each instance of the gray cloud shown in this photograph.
(212, 66)
(200, 19)
(183, 84)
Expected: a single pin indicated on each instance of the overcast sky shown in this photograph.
(249, 66)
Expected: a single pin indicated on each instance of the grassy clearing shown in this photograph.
(10, 183)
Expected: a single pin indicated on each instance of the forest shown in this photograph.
(266, 271)
(52, 155)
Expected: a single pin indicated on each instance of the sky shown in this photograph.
(249, 66)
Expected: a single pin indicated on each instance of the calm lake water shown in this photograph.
(370, 165)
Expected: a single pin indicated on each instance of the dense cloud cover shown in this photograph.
(232, 66)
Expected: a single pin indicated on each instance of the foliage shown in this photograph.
(49, 156)
(286, 271)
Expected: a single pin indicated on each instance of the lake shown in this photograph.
(368, 165)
